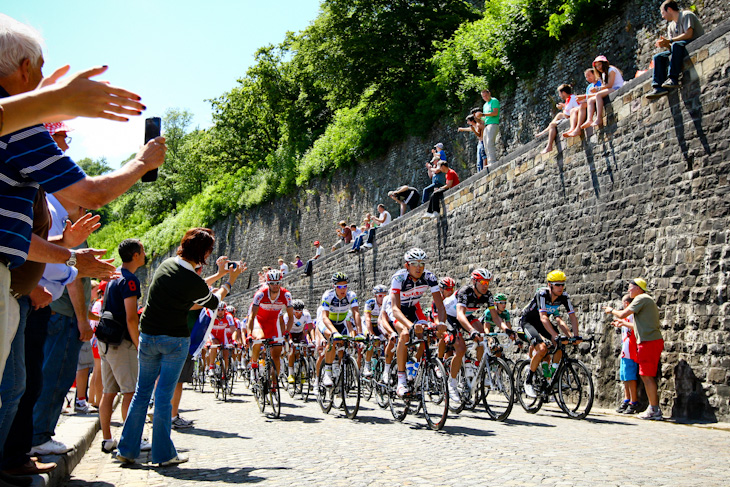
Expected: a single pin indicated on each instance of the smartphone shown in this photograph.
(152, 129)
(231, 265)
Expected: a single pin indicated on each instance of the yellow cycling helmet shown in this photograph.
(556, 276)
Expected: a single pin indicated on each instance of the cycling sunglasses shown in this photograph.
(341, 286)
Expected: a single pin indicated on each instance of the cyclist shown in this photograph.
(500, 304)
(536, 323)
(221, 332)
(331, 323)
(448, 287)
(298, 332)
(268, 302)
(406, 288)
(370, 324)
(233, 334)
(460, 310)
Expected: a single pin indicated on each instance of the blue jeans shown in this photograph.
(481, 155)
(12, 385)
(357, 243)
(159, 356)
(670, 62)
(59, 372)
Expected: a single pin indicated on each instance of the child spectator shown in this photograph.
(476, 126)
(578, 114)
(629, 368)
(298, 262)
(565, 92)
(611, 80)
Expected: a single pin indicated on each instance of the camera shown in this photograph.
(231, 266)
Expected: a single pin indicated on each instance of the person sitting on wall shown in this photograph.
(611, 80)
(405, 195)
(578, 114)
(434, 204)
(684, 27)
(565, 92)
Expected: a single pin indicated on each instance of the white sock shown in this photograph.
(401, 378)
(291, 370)
(386, 370)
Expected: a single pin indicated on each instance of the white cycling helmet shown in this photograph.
(273, 275)
(481, 274)
(415, 254)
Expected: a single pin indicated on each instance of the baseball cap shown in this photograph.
(639, 282)
(600, 58)
(316, 242)
(102, 286)
(439, 145)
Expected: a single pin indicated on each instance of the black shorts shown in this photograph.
(413, 199)
(299, 337)
(533, 331)
(186, 374)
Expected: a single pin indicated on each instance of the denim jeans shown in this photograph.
(12, 385)
(18, 442)
(61, 355)
(481, 155)
(670, 62)
(357, 243)
(159, 356)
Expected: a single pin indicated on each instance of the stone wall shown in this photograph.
(648, 196)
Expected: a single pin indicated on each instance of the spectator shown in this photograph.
(283, 267)
(434, 205)
(476, 126)
(344, 234)
(684, 27)
(362, 236)
(164, 341)
(381, 220)
(611, 80)
(578, 114)
(628, 368)
(310, 262)
(95, 384)
(649, 338)
(86, 362)
(436, 177)
(262, 274)
(405, 195)
(27, 160)
(565, 92)
(490, 113)
(119, 362)
(298, 262)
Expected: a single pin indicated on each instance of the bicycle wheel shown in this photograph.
(575, 389)
(274, 393)
(224, 387)
(367, 384)
(398, 405)
(303, 378)
(497, 389)
(456, 406)
(324, 394)
(529, 404)
(381, 391)
(434, 394)
(350, 387)
(297, 386)
(259, 389)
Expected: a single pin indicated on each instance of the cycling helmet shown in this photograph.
(230, 309)
(415, 254)
(447, 282)
(380, 289)
(222, 305)
(339, 277)
(481, 274)
(298, 305)
(273, 275)
(500, 298)
(556, 276)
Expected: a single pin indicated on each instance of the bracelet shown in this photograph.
(2, 118)
(227, 283)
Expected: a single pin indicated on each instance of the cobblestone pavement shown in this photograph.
(232, 443)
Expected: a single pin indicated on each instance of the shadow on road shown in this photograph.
(212, 433)
(219, 475)
(298, 418)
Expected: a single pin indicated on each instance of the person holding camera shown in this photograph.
(433, 167)
(119, 362)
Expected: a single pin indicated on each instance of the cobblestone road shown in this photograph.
(233, 443)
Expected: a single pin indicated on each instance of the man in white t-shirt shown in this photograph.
(283, 267)
(381, 220)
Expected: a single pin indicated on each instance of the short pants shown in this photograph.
(629, 370)
(649, 354)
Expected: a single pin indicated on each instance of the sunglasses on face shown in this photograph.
(483, 282)
(380, 295)
(274, 283)
(417, 263)
(559, 284)
(341, 286)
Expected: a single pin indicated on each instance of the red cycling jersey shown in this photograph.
(267, 317)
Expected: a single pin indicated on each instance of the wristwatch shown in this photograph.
(71, 262)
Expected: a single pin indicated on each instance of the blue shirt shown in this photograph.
(57, 276)
(29, 158)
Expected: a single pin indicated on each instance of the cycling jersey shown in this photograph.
(300, 324)
(466, 298)
(411, 290)
(339, 325)
(542, 303)
(504, 315)
(267, 318)
(413, 313)
(372, 306)
(221, 326)
(337, 307)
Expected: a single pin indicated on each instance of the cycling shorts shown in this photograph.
(534, 331)
(300, 337)
(271, 329)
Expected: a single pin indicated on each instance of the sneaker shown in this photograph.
(51, 447)
(124, 460)
(290, 379)
(453, 393)
(174, 461)
(108, 446)
(654, 415)
(367, 373)
(622, 407)
(401, 390)
(84, 407)
(631, 409)
(145, 445)
(670, 84)
(433, 215)
(529, 390)
(327, 380)
(179, 423)
(210, 373)
(657, 93)
(368, 245)
(426, 216)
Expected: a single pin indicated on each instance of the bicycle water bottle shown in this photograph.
(410, 370)
(547, 371)
(415, 369)
(469, 370)
(262, 362)
(336, 370)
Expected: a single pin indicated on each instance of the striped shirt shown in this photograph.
(29, 158)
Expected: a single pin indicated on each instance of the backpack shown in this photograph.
(110, 331)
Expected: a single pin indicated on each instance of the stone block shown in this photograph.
(716, 375)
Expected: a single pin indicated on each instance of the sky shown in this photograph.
(174, 54)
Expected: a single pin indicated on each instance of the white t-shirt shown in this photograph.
(387, 218)
(570, 103)
(284, 269)
(318, 252)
